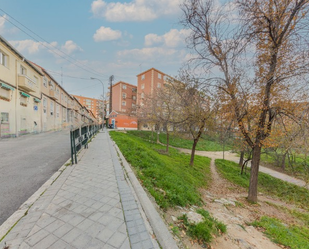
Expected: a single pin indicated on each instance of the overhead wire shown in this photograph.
(84, 67)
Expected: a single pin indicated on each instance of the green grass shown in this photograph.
(267, 184)
(203, 231)
(205, 143)
(292, 236)
(168, 177)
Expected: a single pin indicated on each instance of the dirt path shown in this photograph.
(234, 157)
(227, 203)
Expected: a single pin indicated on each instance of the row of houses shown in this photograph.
(31, 100)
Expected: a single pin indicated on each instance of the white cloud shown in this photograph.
(173, 38)
(29, 46)
(149, 54)
(106, 34)
(136, 10)
(70, 47)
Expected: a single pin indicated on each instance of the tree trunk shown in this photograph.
(255, 163)
(283, 161)
(158, 137)
(241, 159)
(193, 151)
(167, 140)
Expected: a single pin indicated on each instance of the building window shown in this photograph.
(51, 108)
(142, 86)
(44, 105)
(35, 79)
(124, 103)
(124, 86)
(159, 76)
(134, 97)
(23, 100)
(124, 95)
(57, 109)
(45, 81)
(159, 85)
(23, 70)
(3, 59)
(5, 94)
(61, 96)
(142, 95)
(143, 76)
(4, 117)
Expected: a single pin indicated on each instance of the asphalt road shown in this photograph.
(26, 163)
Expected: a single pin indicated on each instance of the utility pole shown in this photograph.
(111, 78)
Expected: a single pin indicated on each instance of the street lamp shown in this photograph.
(92, 78)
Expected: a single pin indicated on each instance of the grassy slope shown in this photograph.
(204, 144)
(169, 178)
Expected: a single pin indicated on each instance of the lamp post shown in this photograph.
(92, 78)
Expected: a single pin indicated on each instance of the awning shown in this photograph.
(24, 94)
(37, 100)
(5, 86)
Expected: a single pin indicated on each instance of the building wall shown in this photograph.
(123, 121)
(92, 104)
(28, 103)
(124, 98)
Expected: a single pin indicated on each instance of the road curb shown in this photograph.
(163, 235)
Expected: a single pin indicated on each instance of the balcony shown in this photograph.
(25, 83)
(52, 94)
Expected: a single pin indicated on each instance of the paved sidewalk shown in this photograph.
(90, 205)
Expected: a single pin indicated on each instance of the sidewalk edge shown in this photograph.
(163, 235)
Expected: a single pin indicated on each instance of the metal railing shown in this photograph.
(80, 137)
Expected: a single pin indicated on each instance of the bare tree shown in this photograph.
(256, 54)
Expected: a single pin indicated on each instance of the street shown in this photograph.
(26, 163)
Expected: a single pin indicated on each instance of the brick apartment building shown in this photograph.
(123, 114)
(147, 83)
(94, 105)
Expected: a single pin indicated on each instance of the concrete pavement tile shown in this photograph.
(35, 238)
(60, 232)
(105, 235)
(106, 219)
(113, 202)
(135, 238)
(95, 244)
(117, 240)
(115, 224)
(132, 230)
(54, 226)
(95, 216)
(88, 211)
(82, 241)
(72, 235)
(105, 208)
(89, 203)
(144, 236)
(79, 209)
(45, 220)
(60, 245)
(23, 245)
(147, 244)
(46, 242)
(123, 228)
(76, 220)
(34, 230)
(126, 244)
(95, 229)
(107, 246)
(97, 204)
(115, 211)
(141, 228)
(85, 224)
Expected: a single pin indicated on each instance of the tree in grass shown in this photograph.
(196, 107)
(256, 54)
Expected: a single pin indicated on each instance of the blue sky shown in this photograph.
(99, 38)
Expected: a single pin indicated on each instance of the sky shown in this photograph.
(81, 39)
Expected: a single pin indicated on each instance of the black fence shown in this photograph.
(80, 138)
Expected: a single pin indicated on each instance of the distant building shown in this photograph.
(94, 105)
(123, 113)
